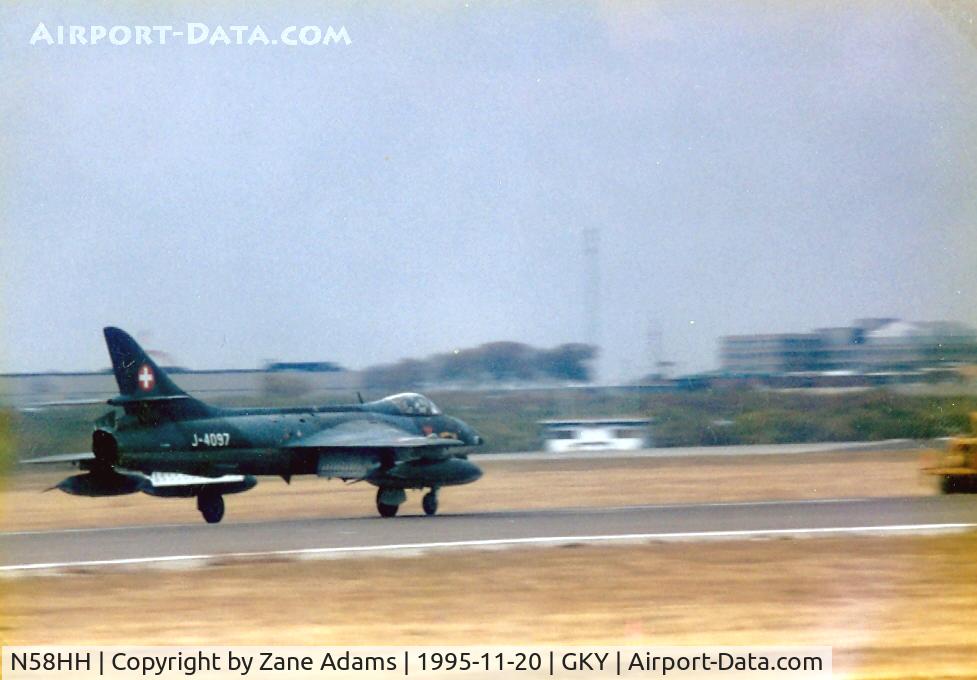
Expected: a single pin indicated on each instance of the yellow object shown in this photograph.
(964, 452)
(958, 466)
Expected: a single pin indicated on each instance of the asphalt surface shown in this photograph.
(189, 543)
(718, 451)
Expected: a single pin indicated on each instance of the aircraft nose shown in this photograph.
(470, 436)
(467, 434)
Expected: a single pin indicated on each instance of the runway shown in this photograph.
(192, 544)
(779, 450)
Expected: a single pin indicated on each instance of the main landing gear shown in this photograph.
(211, 506)
(390, 500)
(430, 502)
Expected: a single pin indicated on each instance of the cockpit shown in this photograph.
(411, 404)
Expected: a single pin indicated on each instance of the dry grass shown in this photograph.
(506, 485)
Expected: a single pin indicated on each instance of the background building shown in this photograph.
(883, 345)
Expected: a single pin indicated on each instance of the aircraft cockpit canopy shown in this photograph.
(413, 404)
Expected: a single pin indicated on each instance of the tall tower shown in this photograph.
(659, 367)
(591, 257)
(654, 346)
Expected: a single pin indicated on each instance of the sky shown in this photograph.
(748, 166)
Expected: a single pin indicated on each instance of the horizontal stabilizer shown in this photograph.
(60, 458)
(123, 400)
(40, 406)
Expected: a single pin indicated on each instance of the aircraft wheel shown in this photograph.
(211, 507)
(430, 503)
(389, 501)
(949, 484)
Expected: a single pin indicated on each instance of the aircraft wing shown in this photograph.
(363, 434)
(60, 458)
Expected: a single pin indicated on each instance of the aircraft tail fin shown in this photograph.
(138, 376)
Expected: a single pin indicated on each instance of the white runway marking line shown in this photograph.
(502, 542)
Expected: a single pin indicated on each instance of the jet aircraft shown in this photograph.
(166, 443)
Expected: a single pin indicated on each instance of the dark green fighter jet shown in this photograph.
(166, 443)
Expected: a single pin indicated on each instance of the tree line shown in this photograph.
(494, 362)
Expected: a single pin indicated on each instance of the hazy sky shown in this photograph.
(751, 167)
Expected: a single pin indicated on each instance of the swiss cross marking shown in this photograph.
(146, 378)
